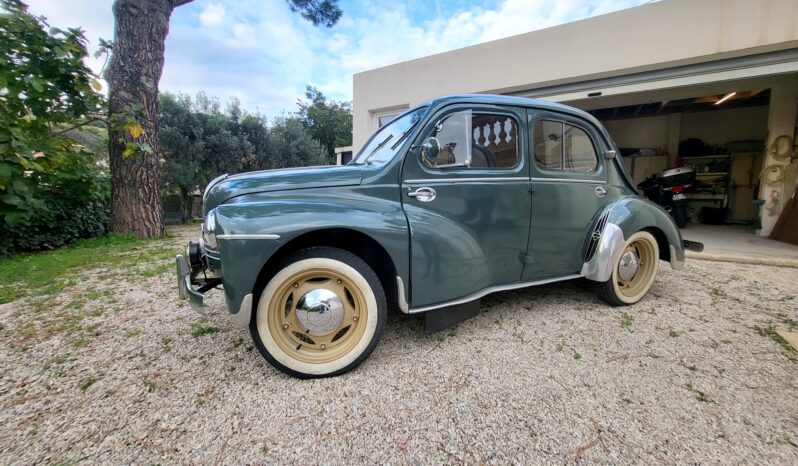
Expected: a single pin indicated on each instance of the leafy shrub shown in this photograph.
(64, 219)
(51, 190)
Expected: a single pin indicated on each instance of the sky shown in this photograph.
(263, 54)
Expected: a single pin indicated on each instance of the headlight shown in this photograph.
(209, 229)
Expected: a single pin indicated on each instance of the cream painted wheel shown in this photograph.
(633, 272)
(320, 315)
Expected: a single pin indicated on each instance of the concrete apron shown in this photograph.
(743, 259)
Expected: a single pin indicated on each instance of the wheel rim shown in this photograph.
(317, 315)
(636, 267)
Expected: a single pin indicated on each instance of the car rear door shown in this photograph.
(569, 188)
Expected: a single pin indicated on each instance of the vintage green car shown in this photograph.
(457, 198)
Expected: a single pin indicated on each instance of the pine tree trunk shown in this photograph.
(133, 75)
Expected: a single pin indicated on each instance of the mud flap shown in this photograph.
(446, 317)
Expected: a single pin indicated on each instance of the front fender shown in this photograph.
(623, 218)
(252, 228)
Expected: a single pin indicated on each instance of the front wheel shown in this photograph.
(634, 271)
(320, 315)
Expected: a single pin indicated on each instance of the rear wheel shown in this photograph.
(634, 271)
(320, 315)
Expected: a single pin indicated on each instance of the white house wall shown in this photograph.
(654, 36)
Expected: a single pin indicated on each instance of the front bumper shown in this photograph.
(184, 287)
(188, 269)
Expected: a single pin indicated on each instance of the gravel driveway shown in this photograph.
(693, 373)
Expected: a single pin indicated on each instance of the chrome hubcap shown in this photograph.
(628, 266)
(320, 311)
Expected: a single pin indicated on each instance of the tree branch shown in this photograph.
(92, 120)
(177, 3)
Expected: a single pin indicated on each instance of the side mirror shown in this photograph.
(430, 149)
(610, 154)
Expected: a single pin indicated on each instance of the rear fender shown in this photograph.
(623, 218)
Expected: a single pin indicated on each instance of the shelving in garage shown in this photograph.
(730, 170)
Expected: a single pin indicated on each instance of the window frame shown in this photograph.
(589, 129)
(509, 112)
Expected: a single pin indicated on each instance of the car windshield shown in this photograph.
(383, 146)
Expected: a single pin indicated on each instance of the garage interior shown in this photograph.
(731, 132)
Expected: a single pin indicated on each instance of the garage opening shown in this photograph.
(720, 137)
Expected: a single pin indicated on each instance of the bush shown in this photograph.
(64, 220)
(51, 190)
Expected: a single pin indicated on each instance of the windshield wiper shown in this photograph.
(402, 137)
(379, 146)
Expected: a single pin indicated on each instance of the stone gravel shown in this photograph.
(691, 374)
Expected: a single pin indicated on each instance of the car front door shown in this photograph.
(469, 208)
(569, 187)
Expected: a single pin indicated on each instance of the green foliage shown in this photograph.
(43, 272)
(199, 141)
(49, 184)
(64, 219)
(329, 122)
(325, 12)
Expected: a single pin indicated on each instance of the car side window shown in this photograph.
(476, 140)
(565, 147)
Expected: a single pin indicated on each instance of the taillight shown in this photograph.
(677, 189)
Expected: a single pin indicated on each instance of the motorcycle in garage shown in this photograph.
(666, 188)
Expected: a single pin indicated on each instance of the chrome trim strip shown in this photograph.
(568, 180)
(492, 289)
(211, 184)
(266, 236)
(400, 298)
(467, 180)
(241, 318)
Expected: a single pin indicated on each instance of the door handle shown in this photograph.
(600, 191)
(424, 194)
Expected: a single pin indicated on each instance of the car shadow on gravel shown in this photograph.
(505, 305)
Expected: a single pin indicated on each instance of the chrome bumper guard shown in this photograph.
(184, 286)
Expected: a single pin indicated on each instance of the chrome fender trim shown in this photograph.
(401, 298)
(241, 318)
(599, 268)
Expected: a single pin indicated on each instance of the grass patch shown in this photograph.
(43, 271)
(700, 396)
(132, 333)
(88, 383)
(626, 320)
(198, 329)
(789, 351)
(48, 281)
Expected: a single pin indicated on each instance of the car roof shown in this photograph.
(508, 100)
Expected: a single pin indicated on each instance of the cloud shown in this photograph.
(265, 55)
(213, 15)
